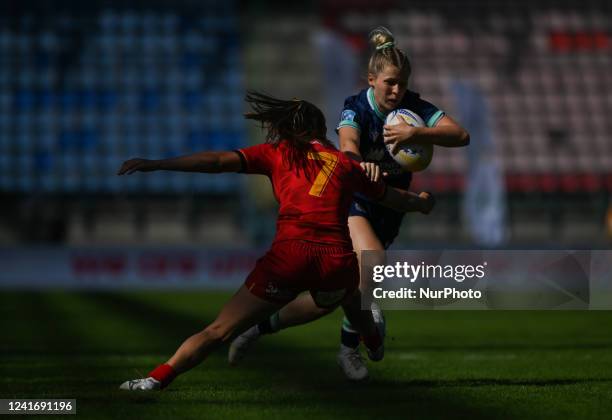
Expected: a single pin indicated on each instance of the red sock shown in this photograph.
(373, 342)
(164, 374)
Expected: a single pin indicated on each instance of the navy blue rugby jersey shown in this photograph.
(361, 112)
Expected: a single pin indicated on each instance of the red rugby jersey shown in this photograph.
(313, 208)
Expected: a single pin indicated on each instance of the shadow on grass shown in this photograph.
(300, 380)
(292, 377)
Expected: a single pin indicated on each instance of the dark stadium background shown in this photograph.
(104, 275)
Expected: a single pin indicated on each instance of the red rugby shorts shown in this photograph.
(291, 267)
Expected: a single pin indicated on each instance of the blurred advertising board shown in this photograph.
(124, 268)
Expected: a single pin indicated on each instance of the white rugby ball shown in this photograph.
(414, 157)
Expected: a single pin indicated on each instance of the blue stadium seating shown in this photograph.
(135, 85)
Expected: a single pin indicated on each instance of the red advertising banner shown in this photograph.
(110, 268)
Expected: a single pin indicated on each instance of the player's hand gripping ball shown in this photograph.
(411, 157)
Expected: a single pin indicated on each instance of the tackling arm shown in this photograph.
(349, 142)
(209, 162)
(398, 199)
(407, 201)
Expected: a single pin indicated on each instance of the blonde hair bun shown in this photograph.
(381, 36)
(385, 53)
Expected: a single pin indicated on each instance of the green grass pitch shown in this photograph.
(438, 364)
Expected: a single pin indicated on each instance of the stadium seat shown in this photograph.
(142, 83)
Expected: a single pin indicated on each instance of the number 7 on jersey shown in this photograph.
(330, 160)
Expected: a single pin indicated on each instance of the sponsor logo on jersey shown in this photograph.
(360, 208)
(347, 115)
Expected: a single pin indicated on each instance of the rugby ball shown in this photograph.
(414, 157)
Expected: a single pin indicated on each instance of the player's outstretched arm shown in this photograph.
(210, 162)
(407, 201)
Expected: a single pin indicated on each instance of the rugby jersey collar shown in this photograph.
(373, 105)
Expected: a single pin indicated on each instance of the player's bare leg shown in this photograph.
(242, 310)
(301, 310)
(349, 358)
(365, 323)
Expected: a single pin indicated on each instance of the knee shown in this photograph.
(218, 333)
